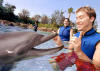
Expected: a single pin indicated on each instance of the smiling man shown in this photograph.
(87, 47)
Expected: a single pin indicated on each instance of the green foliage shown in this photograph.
(7, 13)
(1, 1)
(48, 26)
(70, 10)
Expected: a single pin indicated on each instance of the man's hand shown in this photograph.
(75, 42)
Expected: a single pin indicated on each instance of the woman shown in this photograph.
(64, 32)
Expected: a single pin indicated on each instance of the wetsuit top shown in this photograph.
(89, 41)
(64, 33)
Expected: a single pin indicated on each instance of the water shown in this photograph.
(35, 64)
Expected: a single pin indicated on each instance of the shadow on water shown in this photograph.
(33, 64)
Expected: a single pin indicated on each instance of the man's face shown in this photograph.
(66, 22)
(83, 21)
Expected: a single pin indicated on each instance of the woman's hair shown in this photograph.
(67, 19)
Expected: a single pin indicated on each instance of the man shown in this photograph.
(87, 46)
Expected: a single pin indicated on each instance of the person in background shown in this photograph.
(64, 32)
(35, 26)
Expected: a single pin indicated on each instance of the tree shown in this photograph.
(70, 10)
(44, 19)
(57, 17)
(10, 8)
(37, 17)
(1, 2)
(7, 12)
(24, 15)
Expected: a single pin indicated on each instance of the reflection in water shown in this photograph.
(34, 64)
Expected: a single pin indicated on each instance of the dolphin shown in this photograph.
(15, 46)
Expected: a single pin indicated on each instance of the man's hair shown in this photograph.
(90, 11)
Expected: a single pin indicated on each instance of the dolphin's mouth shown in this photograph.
(41, 52)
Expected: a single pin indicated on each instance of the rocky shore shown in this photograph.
(26, 26)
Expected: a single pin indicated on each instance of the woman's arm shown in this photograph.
(57, 39)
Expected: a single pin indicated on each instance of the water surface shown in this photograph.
(39, 63)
